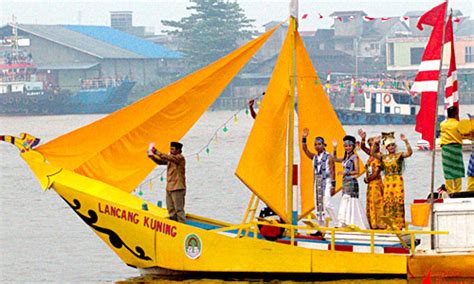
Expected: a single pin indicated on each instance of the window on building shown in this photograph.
(415, 55)
(469, 54)
(391, 57)
(374, 46)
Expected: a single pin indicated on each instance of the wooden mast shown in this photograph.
(291, 110)
(433, 151)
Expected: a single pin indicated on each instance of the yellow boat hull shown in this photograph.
(143, 237)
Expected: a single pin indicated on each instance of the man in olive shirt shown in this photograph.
(175, 179)
(451, 151)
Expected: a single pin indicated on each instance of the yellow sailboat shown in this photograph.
(95, 168)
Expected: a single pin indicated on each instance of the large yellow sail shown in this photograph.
(113, 149)
(262, 166)
(315, 112)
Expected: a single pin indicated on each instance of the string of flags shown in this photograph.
(404, 19)
(204, 149)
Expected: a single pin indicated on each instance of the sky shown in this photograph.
(150, 13)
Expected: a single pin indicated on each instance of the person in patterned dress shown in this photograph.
(324, 178)
(350, 208)
(392, 164)
(373, 168)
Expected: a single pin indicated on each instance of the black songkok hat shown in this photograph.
(177, 145)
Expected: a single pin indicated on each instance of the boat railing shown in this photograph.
(253, 227)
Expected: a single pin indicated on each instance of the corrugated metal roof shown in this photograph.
(125, 41)
(78, 41)
(103, 42)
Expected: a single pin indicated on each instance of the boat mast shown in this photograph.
(433, 151)
(292, 219)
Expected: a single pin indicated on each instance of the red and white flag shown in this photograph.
(457, 19)
(426, 81)
(351, 18)
(304, 16)
(451, 95)
(320, 16)
(385, 19)
(339, 18)
(367, 18)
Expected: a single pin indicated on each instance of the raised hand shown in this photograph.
(251, 102)
(403, 137)
(334, 143)
(305, 132)
(362, 133)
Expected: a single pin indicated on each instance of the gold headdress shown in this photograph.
(388, 138)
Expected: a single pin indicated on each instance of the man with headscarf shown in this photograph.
(175, 179)
(324, 178)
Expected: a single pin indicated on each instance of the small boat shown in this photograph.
(96, 179)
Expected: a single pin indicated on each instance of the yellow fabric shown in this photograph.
(262, 166)
(393, 194)
(454, 185)
(466, 126)
(315, 112)
(449, 132)
(470, 183)
(114, 149)
(375, 196)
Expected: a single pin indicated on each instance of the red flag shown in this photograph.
(367, 18)
(431, 18)
(451, 96)
(426, 81)
(304, 16)
(385, 19)
(320, 16)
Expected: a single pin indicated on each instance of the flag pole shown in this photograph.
(291, 109)
(433, 151)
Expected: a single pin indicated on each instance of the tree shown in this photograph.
(214, 28)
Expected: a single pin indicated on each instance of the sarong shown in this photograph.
(453, 165)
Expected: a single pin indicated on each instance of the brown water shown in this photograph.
(42, 240)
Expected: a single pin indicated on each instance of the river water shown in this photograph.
(42, 240)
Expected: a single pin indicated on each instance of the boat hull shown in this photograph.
(102, 100)
(143, 237)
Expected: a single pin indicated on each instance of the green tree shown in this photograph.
(214, 28)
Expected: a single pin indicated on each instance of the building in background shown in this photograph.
(71, 53)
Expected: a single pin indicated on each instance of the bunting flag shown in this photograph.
(451, 97)
(404, 19)
(385, 19)
(367, 18)
(426, 81)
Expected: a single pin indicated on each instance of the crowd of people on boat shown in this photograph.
(385, 197)
(385, 208)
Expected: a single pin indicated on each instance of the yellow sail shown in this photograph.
(315, 112)
(114, 149)
(262, 166)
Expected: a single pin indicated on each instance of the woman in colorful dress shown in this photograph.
(373, 168)
(350, 208)
(394, 192)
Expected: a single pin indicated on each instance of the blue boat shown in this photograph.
(22, 94)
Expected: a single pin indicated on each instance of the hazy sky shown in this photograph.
(150, 13)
